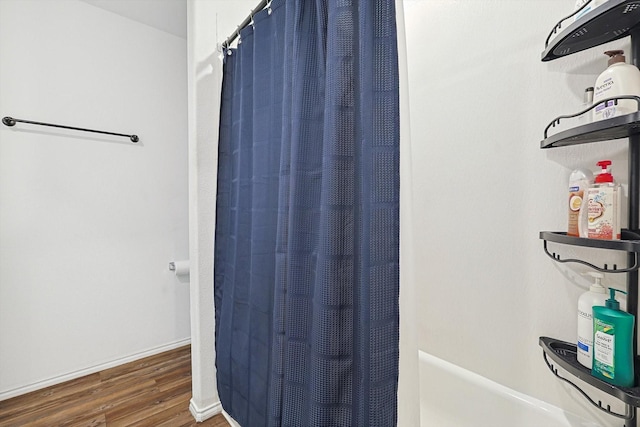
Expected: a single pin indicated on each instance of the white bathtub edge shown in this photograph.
(501, 390)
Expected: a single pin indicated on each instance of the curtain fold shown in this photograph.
(307, 218)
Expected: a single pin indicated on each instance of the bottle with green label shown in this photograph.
(613, 343)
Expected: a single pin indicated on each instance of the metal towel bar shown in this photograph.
(10, 121)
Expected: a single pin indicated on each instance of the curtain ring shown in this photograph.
(251, 21)
(239, 36)
(269, 7)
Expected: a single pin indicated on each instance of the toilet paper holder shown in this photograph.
(180, 268)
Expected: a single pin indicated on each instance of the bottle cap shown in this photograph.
(612, 302)
(615, 56)
(588, 95)
(604, 175)
(596, 286)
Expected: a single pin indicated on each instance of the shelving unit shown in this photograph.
(602, 130)
(613, 20)
(564, 354)
(630, 243)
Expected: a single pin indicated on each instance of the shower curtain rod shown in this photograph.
(10, 121)
(247, 21)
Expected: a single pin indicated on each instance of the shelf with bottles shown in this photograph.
(610, 21)
(564, 355)
(604, 22)
(596, 131)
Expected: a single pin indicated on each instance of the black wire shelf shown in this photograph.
(564, 355)
(600, 130)
(630, 243)
(610, 21)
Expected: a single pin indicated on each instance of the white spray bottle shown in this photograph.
(596, 296)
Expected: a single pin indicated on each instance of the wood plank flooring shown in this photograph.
(154, 391)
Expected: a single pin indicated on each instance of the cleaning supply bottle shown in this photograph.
(613, 343)
(596, 296)
(592, 5)
(603, 206)
(618, 79)
(579, 182)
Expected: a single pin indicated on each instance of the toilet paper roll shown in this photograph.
(181, 268)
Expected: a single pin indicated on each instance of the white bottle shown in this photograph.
(587, 101)
(596, 296)
(580, 181)
(592, 5)
(618, 79)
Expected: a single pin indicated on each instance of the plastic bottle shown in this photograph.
(596, 296)
(592, 5)
(580, 181)
(613, 343)
(587, 101)
(603, 206)
(618, 79)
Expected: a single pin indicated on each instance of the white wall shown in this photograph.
(483, 189)
(88, 223)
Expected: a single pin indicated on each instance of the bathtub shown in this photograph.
(451, 396)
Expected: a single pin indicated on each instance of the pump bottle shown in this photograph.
(596, 296)
(613, 343)
(603, 206)
(618, 79)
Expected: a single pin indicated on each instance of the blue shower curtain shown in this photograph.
(307, 217)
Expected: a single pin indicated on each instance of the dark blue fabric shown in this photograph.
(307, 218)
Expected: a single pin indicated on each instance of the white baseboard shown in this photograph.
(91, 370)
(203, 414)
(230, 419)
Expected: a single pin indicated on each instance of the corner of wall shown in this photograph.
(203, 113)
(203, 414)
(408, 385)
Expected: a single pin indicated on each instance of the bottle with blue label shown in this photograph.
(590, 5)
(580, 181)
(596, 296)
(613, 343)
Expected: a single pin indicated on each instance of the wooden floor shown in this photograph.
(154, 392)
